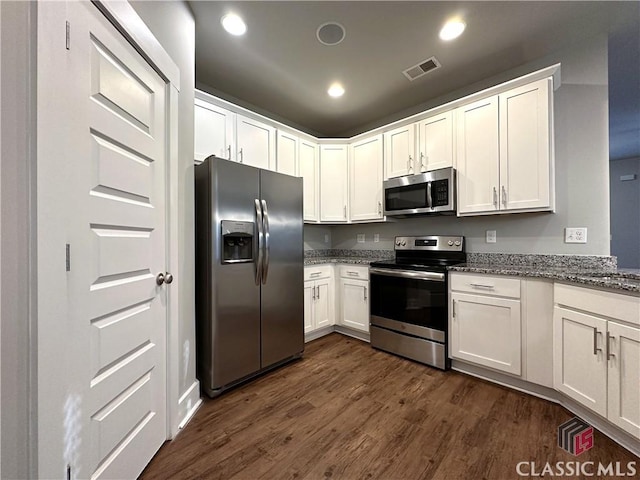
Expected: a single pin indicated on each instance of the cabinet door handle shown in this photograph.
(352, 273)
(229, 151)
(345, 211)
(318, 296)
(241, 154)
(410, 164)
(313, 294)
(609, 353)
(365, 294)
(380, 208)
(453, 309)
(315, 274)
(504, 196)
(595, 341)
(423, 168)
(495, 197)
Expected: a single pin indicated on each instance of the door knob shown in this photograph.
(160, 279)
(168, 278)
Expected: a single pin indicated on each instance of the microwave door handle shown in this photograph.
(429, 198)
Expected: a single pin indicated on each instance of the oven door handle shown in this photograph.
(433, 276)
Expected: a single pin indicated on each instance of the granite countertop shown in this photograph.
(347, 260)
(350, 257)
(624, 280)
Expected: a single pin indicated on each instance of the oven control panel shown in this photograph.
(433, 243)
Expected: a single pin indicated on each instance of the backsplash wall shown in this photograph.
(581, 175)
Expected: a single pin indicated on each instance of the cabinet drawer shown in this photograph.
(487, 284)
(600, 302)
(316, 272)
(351, 271)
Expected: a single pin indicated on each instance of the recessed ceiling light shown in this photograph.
(336, 90)
(233, 24)
(452, 29)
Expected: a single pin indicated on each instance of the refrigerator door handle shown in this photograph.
(265, 219)
(260, 241)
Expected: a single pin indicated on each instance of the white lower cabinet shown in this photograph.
(597, 359)
(354, 304)
(486, 330)
(319, 295)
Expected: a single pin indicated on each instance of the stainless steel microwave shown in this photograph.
(429, 192)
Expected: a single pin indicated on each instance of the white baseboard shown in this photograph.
(321, 332)
(189, 402)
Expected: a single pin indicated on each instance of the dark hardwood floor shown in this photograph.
(351, 412)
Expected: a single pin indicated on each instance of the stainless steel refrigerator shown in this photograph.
(249, 272)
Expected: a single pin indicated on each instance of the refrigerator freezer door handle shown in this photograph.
(265, 266)
(260, 241)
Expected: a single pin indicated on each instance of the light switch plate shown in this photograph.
(491, 236)
(326, 238)
(376, 238)
(360, 238)
(575, 235)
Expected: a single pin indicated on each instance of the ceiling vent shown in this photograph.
(330, 33)
(424, 67)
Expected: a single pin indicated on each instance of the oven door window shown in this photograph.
(420, 302)
(406, 197)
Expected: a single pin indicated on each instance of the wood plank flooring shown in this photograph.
(348, 411)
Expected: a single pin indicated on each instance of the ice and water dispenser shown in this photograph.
(237, 241)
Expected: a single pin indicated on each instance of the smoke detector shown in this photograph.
(330, 33)
(422, 68)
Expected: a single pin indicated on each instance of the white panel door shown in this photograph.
(213, 131)
(365, 179)
(309, 171)
(624, 377)
(435, 140)
(102, 367)
(255, 143)
(579, 359)
(333, 183)
(354, 301)
(399, 151)
(524, 147)
(287, 153)
(324, 304)
(486, 331)
(478, 155)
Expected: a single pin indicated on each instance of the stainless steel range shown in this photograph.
(409, 306)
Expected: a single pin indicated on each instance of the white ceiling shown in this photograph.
(280, 67)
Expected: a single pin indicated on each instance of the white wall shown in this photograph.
(173, 25)
(582, 186)
(317, 237)
(17, 96)
(625, 212)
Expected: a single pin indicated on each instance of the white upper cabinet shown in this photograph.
(504, 155)
(309, 171)
(287, 153)
(333, 183)
(435, 142)
(365, 179)
(478, 155)
(255, 143)
(400, 151)
(213, 131)
(525, 160)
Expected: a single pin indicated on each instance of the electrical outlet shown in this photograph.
(360, 238)
(376, 238)
(326, 238)
(491, 236)
(575, 235)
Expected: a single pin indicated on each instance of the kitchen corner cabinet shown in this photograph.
(597, 352)
(334, 173)
(354, 297)
(214, 131)
(435, 142)
(485, 321)
(287, 153)
(319, 303)
(309, 171)
(365, 179)
(255, 143)
(400, 151)
(504, 152)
